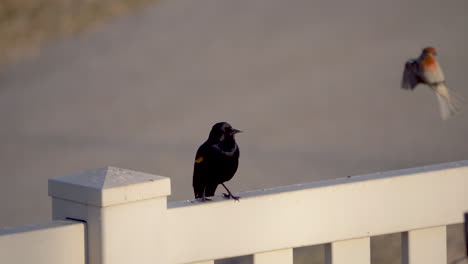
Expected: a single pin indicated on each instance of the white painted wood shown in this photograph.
(125, 213)
(428, 246)
(204, 262)
(318, 213)
(109, 186)
(132, 223)
(284, 256)
(57, 242)
(353, 251)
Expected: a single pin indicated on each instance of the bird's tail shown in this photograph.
(449, 102)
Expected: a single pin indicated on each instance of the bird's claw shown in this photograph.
(228, 196)
(205, 199)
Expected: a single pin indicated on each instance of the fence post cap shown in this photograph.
(109, 186)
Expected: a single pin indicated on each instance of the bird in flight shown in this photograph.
(216, 162)
(425, 69)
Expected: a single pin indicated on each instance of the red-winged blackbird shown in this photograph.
(216, 162)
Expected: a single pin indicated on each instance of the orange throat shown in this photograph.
(429, 62)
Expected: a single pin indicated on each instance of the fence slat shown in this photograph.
(353, 251)
(428, 246)
(284, 256)
(204, 262)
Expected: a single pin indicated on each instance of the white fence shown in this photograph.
(127, 219)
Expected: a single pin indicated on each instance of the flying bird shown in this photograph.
(216, 162)
(425, 69)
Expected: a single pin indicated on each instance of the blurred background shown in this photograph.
(315, 86)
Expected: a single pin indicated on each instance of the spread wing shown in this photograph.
(411, 75)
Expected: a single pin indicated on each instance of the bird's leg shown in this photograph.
(204, 198)
(229, 194)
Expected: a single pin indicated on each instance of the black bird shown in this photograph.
(216, 162)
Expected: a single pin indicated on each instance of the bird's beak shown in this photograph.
(434, 53)
(235, 131)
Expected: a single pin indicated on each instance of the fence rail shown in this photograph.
(128, 218)
(57, 242)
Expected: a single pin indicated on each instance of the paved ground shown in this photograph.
(314, 85)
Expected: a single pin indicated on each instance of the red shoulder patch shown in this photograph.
(199, 159)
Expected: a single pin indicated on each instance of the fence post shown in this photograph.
(356, 251)
(428, 246)
(124, 211)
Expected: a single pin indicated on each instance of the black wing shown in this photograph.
(200, 177)
(410, 75)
